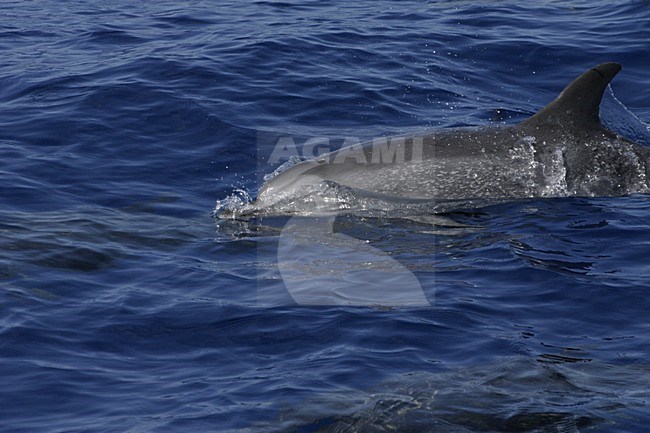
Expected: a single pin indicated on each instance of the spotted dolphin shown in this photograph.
(562, 150)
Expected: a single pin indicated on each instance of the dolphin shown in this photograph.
(562, 150)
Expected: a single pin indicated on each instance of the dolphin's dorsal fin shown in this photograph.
(579, 102)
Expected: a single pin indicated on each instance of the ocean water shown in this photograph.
(126, 306)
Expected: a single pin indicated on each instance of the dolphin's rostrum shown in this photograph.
(563, 150)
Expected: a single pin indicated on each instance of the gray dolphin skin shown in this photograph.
(563, 150)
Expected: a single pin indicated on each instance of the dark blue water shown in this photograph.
(126, 307)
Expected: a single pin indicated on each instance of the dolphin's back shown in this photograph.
(562, 150)
(436, 165)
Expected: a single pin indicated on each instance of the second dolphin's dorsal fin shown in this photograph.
(579, 102)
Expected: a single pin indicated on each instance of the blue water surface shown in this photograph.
(126, 307)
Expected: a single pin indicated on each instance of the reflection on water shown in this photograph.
(321, 267)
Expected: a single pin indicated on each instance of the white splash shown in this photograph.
(240, 201)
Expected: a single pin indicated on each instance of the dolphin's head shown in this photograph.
(289, 182)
